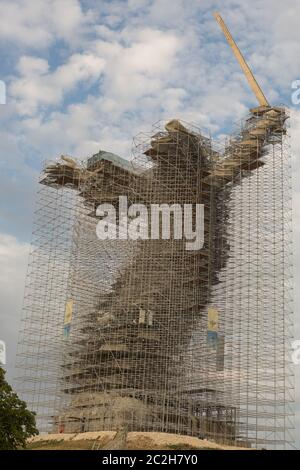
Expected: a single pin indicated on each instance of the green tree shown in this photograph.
(17, 423)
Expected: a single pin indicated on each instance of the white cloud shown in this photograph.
(134, 71)
(139, 68)
(32, 66)
(13, 262)
(38, 23)
(37, 87)
(152, 52)
(138, 63)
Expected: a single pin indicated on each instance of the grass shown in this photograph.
(187, 447)
(61, 445)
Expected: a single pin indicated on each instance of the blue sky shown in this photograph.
(88, 75)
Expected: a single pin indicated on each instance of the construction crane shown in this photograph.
(244, 66)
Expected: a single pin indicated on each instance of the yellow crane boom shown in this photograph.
(246, 69)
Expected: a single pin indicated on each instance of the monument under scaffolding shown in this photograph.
(145, 334)
(148, 335)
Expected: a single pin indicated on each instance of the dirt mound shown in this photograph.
(104, 440)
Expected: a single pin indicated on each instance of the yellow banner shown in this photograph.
(68, 312)
(212, 319)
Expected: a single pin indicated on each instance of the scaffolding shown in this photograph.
(145, 334)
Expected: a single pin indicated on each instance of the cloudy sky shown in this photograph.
(84, 75)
